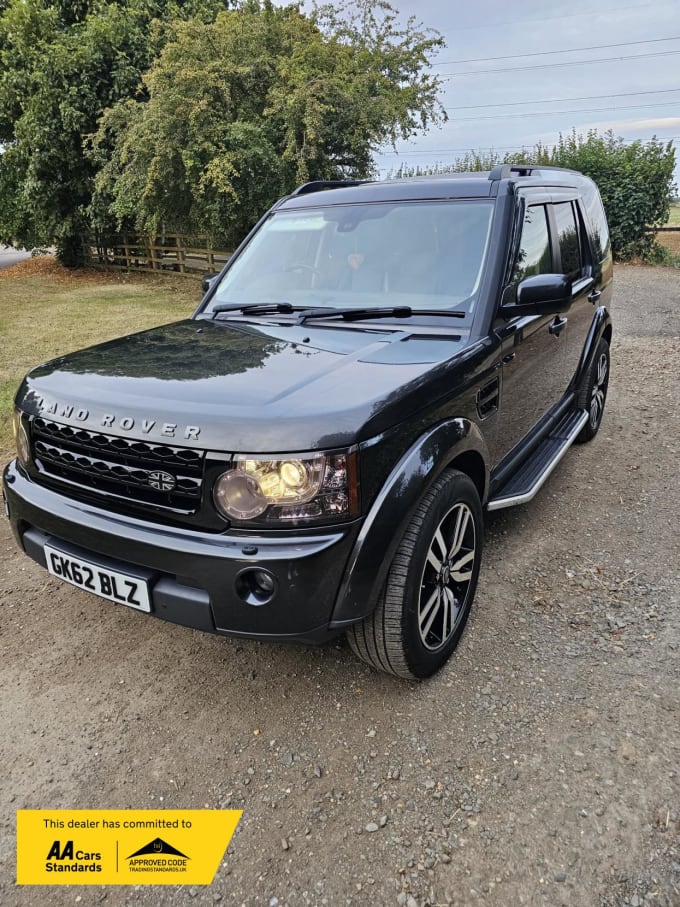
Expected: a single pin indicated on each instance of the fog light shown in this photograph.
(264, 581)
(256, 586)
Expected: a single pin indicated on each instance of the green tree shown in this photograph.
(237, 111)
(61, 64)
(635, 180)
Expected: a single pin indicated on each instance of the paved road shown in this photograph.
(10, 256)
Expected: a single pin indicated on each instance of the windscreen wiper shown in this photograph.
(256, 308)
(402, 311)
(365, 314)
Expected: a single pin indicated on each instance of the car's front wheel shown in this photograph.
(426, 600)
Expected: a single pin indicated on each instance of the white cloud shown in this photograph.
(628, 126)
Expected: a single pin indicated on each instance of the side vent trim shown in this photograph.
(487, 399)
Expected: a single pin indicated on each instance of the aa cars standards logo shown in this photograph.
(157, 856)
(68, 857)
(122, 846)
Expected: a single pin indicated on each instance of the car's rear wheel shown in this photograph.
(426, 600)
(594, 393)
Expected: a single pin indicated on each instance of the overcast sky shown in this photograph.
(505, 110)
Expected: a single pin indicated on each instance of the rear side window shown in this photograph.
(598, 221)
(568, 239)
(534, 255)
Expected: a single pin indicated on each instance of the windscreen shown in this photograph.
(422, 254)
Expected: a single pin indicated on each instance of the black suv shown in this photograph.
(312, 452)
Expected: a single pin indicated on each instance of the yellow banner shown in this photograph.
(122, 846)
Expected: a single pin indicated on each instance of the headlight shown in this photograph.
(21, 439)
(307, 488)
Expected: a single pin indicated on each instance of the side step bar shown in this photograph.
(528, 480)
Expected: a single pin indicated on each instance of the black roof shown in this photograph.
(501, 180)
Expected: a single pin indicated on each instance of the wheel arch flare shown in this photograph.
(454, 443)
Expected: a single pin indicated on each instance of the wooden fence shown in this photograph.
(188, 255)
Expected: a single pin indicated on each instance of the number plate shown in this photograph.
(117, 587)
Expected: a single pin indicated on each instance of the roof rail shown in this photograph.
(320, 185)
(505, 171)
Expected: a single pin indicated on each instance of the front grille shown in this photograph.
(121, 466)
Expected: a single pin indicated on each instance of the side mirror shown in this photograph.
(541, 294)
(207, 281)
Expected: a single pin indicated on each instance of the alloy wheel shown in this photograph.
(599, 391)
(447, 576)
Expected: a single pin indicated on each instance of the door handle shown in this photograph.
(594, 296)
(557, 326)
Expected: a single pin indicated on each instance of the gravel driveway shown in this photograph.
(542, 766)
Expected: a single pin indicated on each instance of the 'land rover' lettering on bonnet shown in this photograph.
(125, 423)
(167, 429)
(67, 412)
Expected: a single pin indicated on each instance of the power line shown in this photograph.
(591, 97)
(478, 72)
(546, 53)
(549, 113)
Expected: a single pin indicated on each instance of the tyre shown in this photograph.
(594, 393)
(426, 600)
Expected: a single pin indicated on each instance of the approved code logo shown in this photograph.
(114, 847)
(158, 856)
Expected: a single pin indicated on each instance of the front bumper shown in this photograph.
(193, 575)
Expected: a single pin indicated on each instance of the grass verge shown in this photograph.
(670, 242)
(46, 311)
